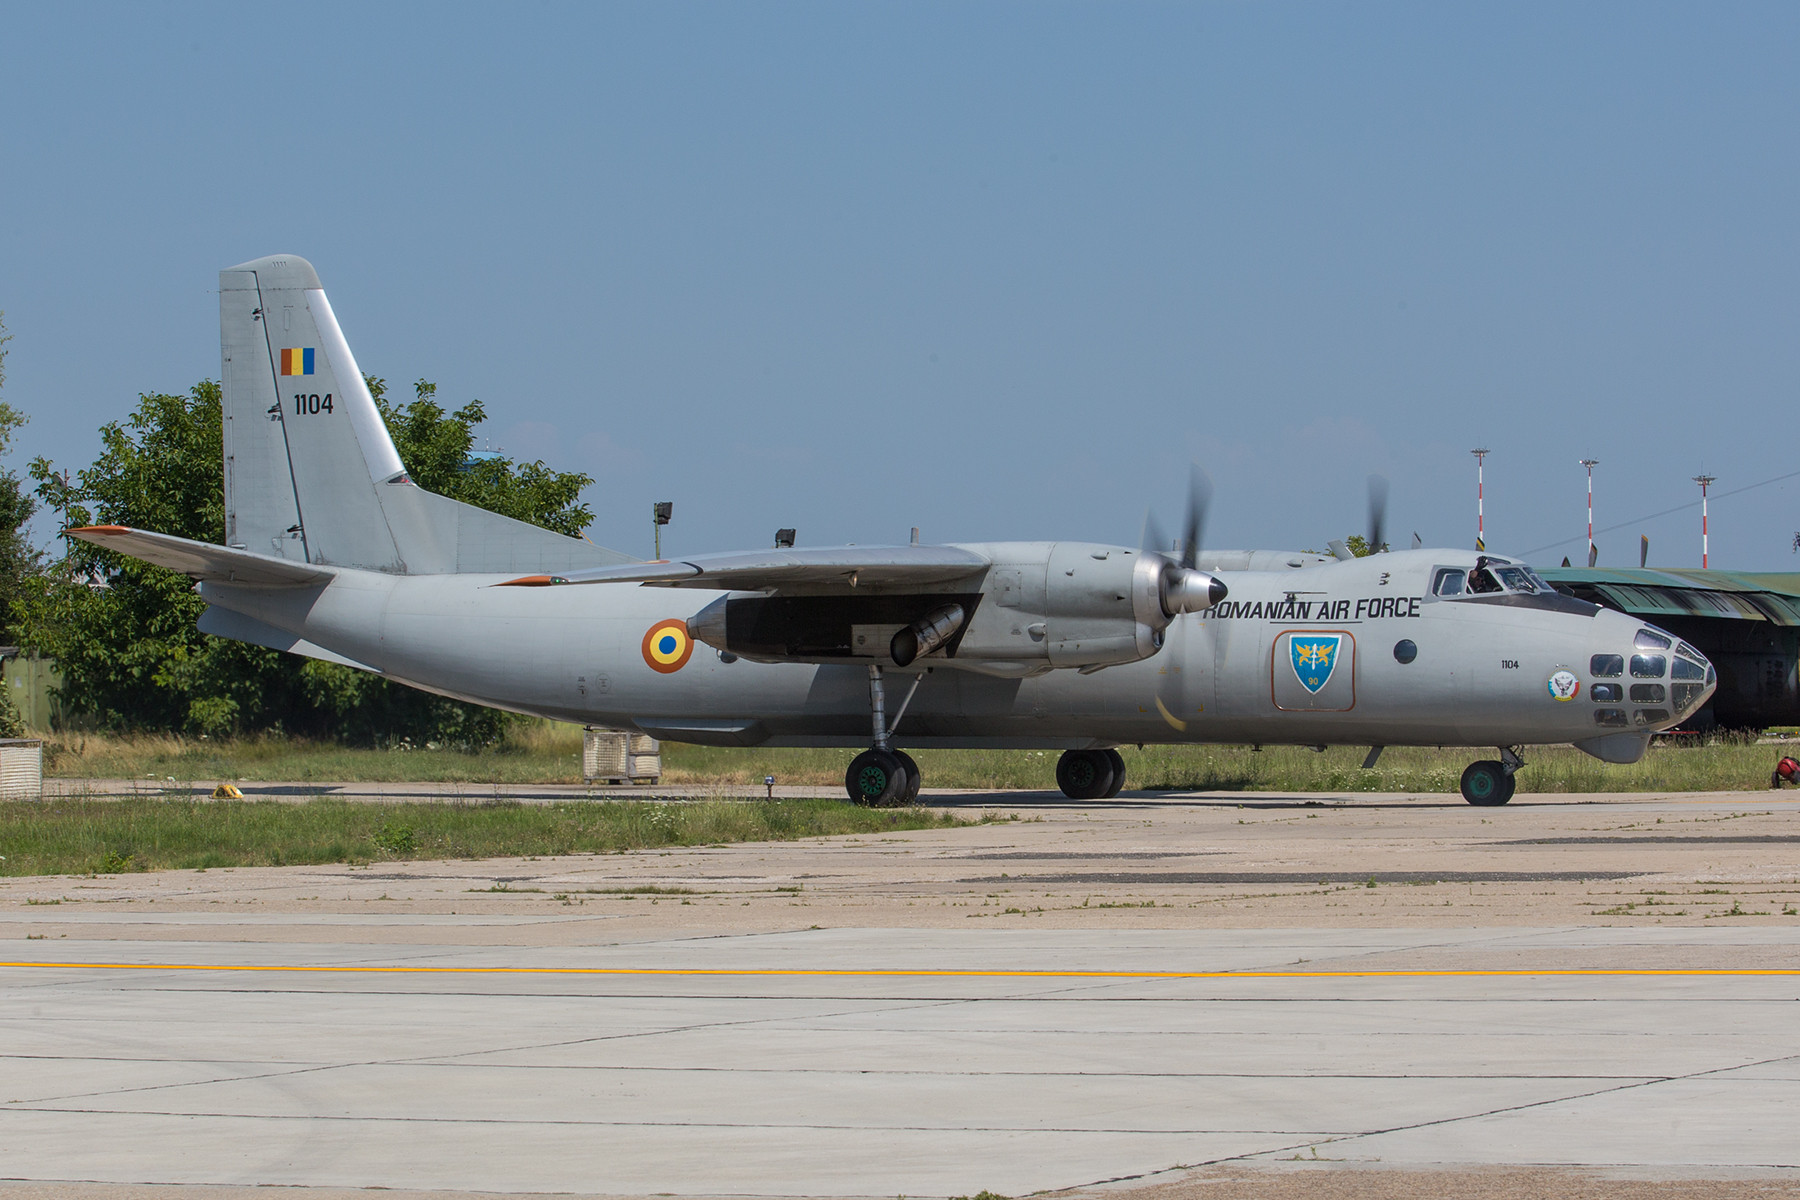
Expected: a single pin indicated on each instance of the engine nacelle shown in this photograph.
(1073, 604)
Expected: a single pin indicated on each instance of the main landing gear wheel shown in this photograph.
(1086, 774)
(1487, 784)
(876, 778)
(1118, 782)
(909, 794)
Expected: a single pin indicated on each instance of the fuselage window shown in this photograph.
(1607, 693)
(1651, 716)
(1648, 666)
(1647, 693)
(1449, 582)
(1607, 665)
(1610, 718)
(1650, 640)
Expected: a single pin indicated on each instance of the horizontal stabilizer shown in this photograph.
(203, 560)
(835, 566)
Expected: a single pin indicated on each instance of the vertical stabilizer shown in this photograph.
(310, 471)
(336, 447)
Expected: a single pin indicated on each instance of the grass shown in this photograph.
(82, 837)
(542, 752)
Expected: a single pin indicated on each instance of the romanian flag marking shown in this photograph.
(297, 360)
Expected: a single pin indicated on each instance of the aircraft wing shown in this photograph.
(202, 560)
(826, 568)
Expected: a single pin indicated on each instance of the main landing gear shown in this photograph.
(882, 777)
(1489, 783)
(1090, 774)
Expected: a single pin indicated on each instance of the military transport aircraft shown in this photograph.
(332, 552)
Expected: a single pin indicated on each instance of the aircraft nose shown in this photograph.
(1646, 678)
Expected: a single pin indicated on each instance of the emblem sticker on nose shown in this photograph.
(1564, 686)
(668, 646)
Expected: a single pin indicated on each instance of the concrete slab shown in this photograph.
(1566, 987)
(833, 1084)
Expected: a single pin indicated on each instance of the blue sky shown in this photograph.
(995, 270)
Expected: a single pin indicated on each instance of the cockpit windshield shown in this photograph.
(1489, 578)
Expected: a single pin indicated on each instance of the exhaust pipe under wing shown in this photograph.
(926, 634)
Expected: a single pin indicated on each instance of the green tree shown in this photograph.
(18, 557)
(123, 632)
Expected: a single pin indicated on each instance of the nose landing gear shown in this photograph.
(881, 777)
(1490, 784)
(1090, 774)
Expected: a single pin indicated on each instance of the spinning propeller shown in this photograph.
(1378, 496)
(1183, 588)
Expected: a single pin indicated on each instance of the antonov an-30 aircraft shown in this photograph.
(332, 552)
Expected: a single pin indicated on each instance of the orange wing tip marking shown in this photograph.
(104, 530)
(532, 581)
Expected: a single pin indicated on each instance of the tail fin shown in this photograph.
(310, 471)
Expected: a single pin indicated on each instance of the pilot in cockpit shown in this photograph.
(1481, 580)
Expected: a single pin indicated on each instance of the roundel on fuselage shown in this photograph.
(668, 646)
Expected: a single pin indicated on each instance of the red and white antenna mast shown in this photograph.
(1703, 481)
(1590, 464)
(1480, 517)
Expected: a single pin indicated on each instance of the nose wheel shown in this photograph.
(1090, 774)
(1489, 784)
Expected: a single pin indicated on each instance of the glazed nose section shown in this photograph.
(1692, 680)
(1650, 681)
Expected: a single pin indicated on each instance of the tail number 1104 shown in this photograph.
(312, 405)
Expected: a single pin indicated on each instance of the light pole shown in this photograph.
(660, 512)
(1703, 481)
(1590, 464)
(1480, 517)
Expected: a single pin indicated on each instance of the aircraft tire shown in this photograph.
(1084, 774)
(876, 778)
(1118, 779)
(909, 794)
(1486, 784)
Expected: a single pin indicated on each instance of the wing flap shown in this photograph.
(203, 560)
(773, 570)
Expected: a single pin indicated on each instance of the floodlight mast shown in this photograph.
(1704, 481)
(660, 512)
(1590, 464)
(1480, 516)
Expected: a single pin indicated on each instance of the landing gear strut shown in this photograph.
(881, 777)
(1090, 774)
(1489, 783)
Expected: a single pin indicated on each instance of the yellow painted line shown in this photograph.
(829, 973)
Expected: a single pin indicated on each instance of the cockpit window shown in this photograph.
(1649, 639)
(1489, 577)
(1649, 666)
(1687, 668)
(1482, 582)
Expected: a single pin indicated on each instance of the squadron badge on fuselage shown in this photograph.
(1314, 657)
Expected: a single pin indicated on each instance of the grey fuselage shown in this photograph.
(1479, 669)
